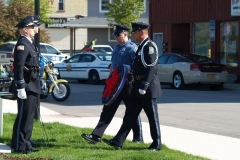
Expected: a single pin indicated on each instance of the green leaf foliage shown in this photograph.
(124, 11)
(12, 11)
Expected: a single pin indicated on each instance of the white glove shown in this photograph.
(142, 92)
(22, 93)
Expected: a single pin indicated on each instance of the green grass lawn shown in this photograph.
(65, 143)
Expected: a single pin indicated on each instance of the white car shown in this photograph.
(47, 50)
(91, 66)
(102, 48)
(179, 70)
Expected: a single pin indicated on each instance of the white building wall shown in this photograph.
(60, 37)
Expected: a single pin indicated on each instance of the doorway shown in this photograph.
(158, 39)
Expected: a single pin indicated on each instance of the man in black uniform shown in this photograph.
(27, 86)
(123, 54)
(146, 88)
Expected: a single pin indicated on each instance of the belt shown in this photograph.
(139, 77)
(34, 69)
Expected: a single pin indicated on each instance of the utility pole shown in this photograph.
(37, 41)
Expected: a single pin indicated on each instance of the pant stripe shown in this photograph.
(19, 123)
(155, 118)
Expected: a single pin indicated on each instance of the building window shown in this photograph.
(111, 37)
(229, 43)
(202, 39)
(60, 5)
(103, 5)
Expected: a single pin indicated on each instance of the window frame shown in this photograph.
(111, 37)
(100, 6)
(63, 6)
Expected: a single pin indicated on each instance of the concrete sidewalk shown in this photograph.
(197, 143)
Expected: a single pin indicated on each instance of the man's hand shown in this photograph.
(142, 92)
(22, 93)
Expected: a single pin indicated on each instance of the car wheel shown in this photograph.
(178, 81)
(216, 87)
(94, 77)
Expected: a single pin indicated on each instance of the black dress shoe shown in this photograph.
(18, 151)
(91, 138)
(154, 147)
(32, 150)
(33, 143)
(112, 143)
(137, 141)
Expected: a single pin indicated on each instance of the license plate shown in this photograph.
(211, 76)
(3, 55)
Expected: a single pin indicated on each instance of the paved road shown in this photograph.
(195, 108)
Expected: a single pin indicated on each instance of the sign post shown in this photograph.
(37, 41)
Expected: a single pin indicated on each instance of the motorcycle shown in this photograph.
(58, 88)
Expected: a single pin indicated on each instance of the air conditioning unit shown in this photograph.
(70, 19)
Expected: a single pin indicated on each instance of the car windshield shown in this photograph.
(198, 59)
(104, 57)
(7, 47)
(102, 49)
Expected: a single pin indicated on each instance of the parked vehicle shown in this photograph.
(86, 66)
(179, 70)
(47, 50)
(58, 88)
(102, 48)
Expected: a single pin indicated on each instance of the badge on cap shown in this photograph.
(20, 47)
(151, 50)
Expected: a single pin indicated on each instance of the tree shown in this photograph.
(14, 11)
(124, 11)
(45, 8)
(3, 27)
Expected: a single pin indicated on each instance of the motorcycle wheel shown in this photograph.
(63, 93)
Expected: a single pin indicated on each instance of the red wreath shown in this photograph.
(112, 82)
(114, 85)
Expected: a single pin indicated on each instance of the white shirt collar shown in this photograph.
(28, 38)
(143, 40)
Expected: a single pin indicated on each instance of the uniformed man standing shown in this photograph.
(123, 54)
(146, 88)
(27, 86)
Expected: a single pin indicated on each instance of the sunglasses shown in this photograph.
(117, 35)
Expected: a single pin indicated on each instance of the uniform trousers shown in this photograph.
(136, 105)
(23, 125)
(108, 113)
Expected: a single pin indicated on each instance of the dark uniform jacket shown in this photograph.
(25, 54)
(149, 80)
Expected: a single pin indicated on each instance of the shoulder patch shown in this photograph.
(151, 50)
(20, 47)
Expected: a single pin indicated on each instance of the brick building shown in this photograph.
(206, 27)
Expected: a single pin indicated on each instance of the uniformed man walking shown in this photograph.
(27, 86)
(146, 88)
(123, 54)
